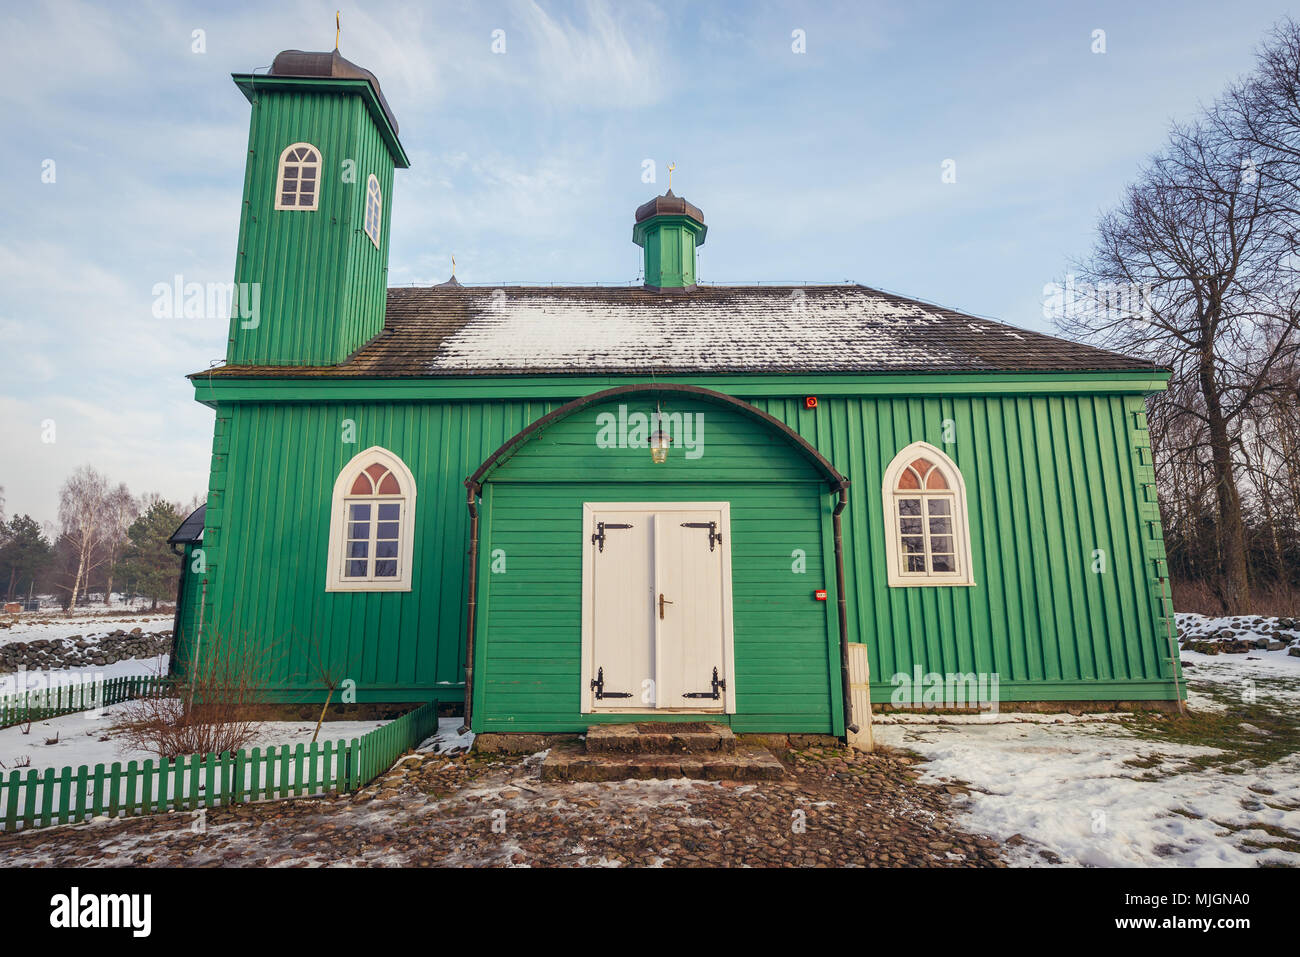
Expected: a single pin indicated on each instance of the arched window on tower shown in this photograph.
(374, 209)
(925, 517)
(370, 525)
(298, 184)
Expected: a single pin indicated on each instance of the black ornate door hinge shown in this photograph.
(719, 685)
(599, 537)
(598, 686)
(715, 536)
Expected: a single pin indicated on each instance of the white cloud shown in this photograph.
(594, 61)
(526, 167)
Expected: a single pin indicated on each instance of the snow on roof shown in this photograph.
(456, 330)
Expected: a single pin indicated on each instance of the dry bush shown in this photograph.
(1274, 600)
(213, 709)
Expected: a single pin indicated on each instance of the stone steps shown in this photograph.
(662, 750)
(661, 737)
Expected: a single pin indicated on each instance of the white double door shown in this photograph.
(657, 630)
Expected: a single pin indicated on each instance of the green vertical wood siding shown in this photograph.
(322, 282)
(267, 532)
(1050, 479)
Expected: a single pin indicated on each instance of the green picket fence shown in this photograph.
(381, 747)
(44, 798)
(40, 704)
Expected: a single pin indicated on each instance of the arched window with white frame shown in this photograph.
(926, 523)
(374, 209)
(298, 184)
(371, 523)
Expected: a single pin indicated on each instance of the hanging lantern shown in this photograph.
(659, 441)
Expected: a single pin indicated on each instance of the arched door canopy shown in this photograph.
(839, 486)
(475, 482)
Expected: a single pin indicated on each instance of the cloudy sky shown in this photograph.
(527, 165)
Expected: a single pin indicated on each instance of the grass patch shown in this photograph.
(1145, 761)
(1222, 730)
(1285, 840)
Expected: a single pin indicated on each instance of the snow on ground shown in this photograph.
(19, 681)
(448, 738)
(1117, 790)
(1244, 627)
(33, 625)
(87, 738)
(1276, 671)
(89, 626)
(1071, 790)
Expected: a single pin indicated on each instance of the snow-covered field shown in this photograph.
(30, 626)
(1222, 789)
(90, 626)
(19, 681)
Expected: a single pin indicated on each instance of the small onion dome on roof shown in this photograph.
(331, 65)
(669, 205)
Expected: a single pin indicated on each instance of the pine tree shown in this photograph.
(149, 564)
(24, 554)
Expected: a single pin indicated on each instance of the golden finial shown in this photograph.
(671, 167)
(337, 29)
(453, 267)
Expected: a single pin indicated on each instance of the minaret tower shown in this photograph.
(311, 274)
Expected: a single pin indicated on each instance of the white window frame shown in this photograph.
(336, 560)
(301, 164)
(379, 210)
(895, 562)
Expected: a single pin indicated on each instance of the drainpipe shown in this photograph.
(842, 601)
(472, 503)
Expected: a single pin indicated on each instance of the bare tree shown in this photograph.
(81, 514)
(1200, 243)
(120, 510)
(323, 670)
(1263, 113)
(1186, 489)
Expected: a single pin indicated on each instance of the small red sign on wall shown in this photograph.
(820, 594)
(810, 402)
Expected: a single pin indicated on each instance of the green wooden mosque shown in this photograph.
(777, 507)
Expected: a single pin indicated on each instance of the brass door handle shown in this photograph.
(662, 601)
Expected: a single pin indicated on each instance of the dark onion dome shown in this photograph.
(669, 205)
(328, 65)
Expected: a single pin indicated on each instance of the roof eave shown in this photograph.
(249, 83)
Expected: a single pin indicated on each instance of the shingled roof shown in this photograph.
(521, 330)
